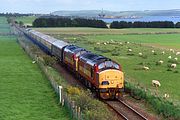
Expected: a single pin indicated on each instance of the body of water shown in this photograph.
(145, 19)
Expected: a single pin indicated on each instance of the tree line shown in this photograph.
(68, 22)
(138, 24)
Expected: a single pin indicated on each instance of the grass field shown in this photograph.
(131, 62)
(90, 31)
(4, 28)
(27, 20)
(25, 92)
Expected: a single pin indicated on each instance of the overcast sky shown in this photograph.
(47, 6)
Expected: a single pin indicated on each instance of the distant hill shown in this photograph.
(94, 13)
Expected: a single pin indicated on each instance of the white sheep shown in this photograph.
(140, 54)
(74, 38)
(145, 68)
(156, 83)
(174, 65)
(98, 43)
(120, 43)
(171, 50)
(153, 51)
(178, 53)
(127, 42)
(33, 62)
(166, 95)
(163, 52)
(160, 61)
(105, 43)
(130, 50)
(169, 57)
(176, 58)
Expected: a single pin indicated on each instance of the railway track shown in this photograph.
(124, 111)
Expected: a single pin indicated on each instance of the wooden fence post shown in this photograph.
(60, 94)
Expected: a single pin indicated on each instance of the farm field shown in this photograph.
(4, 28)
(90, 31)
(27, 20)
(25, 92)
(116, 47)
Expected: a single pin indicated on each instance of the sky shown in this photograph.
(48, 6)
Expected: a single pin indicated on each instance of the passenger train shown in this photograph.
(99, 73)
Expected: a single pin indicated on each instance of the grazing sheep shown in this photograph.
(173, 65)
(166, 95)
(160, 62)
(130, 50)
(171, 50)
(178, 53)
(98, 43)
(140, 54)
(153, 51)
(120, 43)
(176, 58)
(105, 43)
(127, 42)
(163, 52)
(145, 68)
(169, 57)
(112, 40)
(33, 62)
(156, 83)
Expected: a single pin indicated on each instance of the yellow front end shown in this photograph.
(111, 83)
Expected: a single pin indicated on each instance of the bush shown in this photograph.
(91, 108)
(48, 60)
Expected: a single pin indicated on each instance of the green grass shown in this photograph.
(25, 92)
(163, 40)
(27, 20)
(4, 27)
(90, 31)
(138, 43)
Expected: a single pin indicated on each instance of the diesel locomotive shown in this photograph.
(97, 72)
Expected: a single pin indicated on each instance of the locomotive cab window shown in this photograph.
(108, 64)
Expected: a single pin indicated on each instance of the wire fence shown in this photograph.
(64, 99)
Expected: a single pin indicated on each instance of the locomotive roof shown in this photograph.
(92, 58)
(74, 48)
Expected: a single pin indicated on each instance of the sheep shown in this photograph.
(145, 68)
(171, 50)
(140, 54)
(163, 52)
(112, 40)
(74, 38)
(153, 51)
(178, 53)
(33, 62)
(176, 58)
(156, 83)
(166, 95)
(98, 43)
(127, 42)
(105, 43)
(120, 43)
(130, 50)
(160, 62)
(169, 57)
(174, 65)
